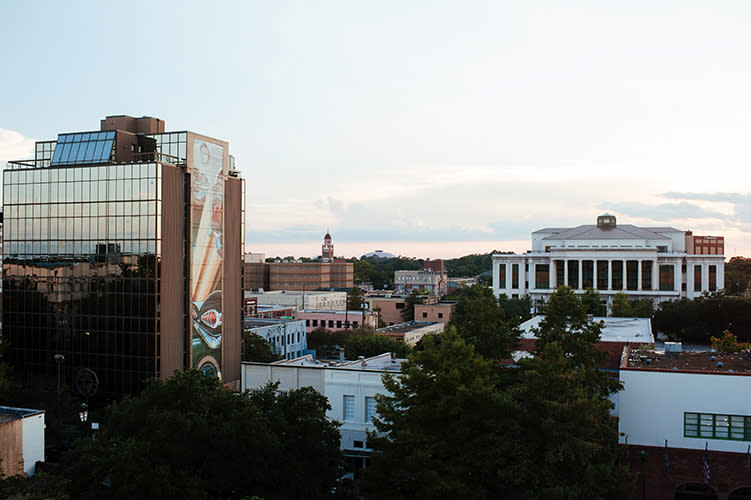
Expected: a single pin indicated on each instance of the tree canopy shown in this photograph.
(458, 425)
(703, 317)
(189, 438)
(481, 321)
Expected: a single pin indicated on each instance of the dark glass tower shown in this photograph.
(122, 254)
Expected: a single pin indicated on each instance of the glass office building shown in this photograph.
(122, 254)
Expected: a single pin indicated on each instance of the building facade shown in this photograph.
(678, 410)
(337, 321)
(350, 387)
(650, 262)
(431, 279)
(287, 338)
(122, 255)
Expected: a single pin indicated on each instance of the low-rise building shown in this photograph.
(350, 387)
(21, 440)
(299, 300)
(431, 279)
(287, 338)
(338, 320)
(410, 332)
(679, 410)
(440, 312)
(390, 308)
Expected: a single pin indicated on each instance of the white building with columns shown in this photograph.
(659, 263)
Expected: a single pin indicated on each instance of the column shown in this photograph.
(625, 286)
(610, 274)
(565, 272)
(655, 276)
(579, 284)
(704, 276)
(678, 279)
(552, 274)
(638, 275)
(720, 275)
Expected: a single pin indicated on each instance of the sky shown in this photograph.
(430, 129)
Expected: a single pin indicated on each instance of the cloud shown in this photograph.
(14, 146)
(662, 211)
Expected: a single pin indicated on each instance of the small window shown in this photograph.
(358, 444)
(307, 322)
(400, 305)
(424, 315)
(315, 322)
(331, 323)
(349, 408)
(370, 408)
(440, 315)
(339, 323)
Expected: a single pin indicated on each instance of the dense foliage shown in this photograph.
(738, 275)
(709, 315)
(481, 321)
(189, 438)
(459, 425)
(624, 307)
(257, 348)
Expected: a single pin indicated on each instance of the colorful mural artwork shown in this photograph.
(207, 207)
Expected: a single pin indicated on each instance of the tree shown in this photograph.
(256, 348)
(593, 302)
(373, 344)
(569, 447)
(442, 430)
(481, 321)
(516, 307)
(189, 438)
(354, 299)
(621, 307)
(408, 313)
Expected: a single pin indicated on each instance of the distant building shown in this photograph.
(328, 301)
(287, 338)
(255, 257)
(350, 387)
(390, 308)
(659, 263)
(338, 320)
(380, 254)
(294, 275)
(441, 312)
(21, 440)
(676, 409)
(411, 332)
(431, 279)
(327, 249)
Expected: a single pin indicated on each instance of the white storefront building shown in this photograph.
(659, 263)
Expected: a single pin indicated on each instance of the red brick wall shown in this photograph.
(727, 471)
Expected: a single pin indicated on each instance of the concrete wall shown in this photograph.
(33, 442)
(652, 404)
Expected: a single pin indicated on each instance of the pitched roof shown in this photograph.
(620, 232)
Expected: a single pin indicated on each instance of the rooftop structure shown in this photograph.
(410, 332)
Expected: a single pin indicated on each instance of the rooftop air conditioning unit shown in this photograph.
(673, 347)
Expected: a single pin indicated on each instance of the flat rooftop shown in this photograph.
(382, 362)
(636, 330)
(407, 326)
(710, 362)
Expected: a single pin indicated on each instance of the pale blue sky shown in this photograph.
(425, 128)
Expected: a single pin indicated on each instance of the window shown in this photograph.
(502, 276)
(400, 305)
(315, 322)
(440, 315)
(708, 425)
(307, 322)
(424, 315)
(349, 407)
(339, 323)
(358, 444)
(331, 323)
(370, 408)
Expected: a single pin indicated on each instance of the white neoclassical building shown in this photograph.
(660, 263)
